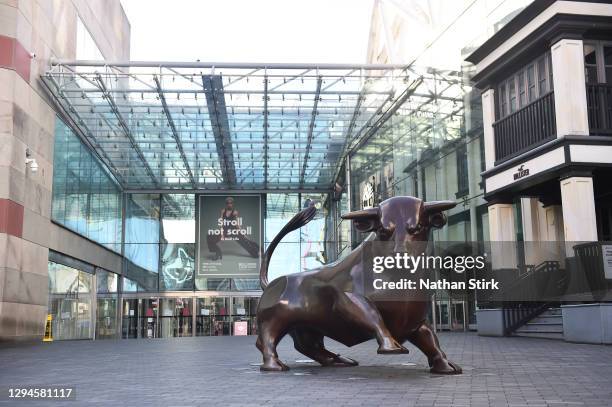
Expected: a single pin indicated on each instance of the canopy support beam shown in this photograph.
(175, 135)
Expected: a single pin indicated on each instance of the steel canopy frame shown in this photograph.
(221, 126)
(175, 134)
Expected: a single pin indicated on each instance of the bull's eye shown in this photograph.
(414, 229)
(386, 232)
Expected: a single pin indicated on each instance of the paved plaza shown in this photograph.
(224, 371)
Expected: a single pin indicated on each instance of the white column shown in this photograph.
(502, 234)
(488, 118)
(542, 232)
(578, 202)
(570, 88)
(551, 223)
(530, 214)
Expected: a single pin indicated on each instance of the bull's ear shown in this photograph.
(365, 220)
(438, 220)
(432, 207)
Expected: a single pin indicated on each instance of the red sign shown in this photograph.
(240, 328)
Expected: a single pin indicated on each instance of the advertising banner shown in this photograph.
(230, 235)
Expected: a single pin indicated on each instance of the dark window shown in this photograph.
(542, 77)
(463, 185)
(590, 63)
(522, 89)
(531, 88)
(550, 72)
(423, 185)
(512, 94)
(525, 86)
(481, 147)
(607, 57)
(598, 62)
(503, 100)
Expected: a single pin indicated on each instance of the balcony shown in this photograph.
(599, 106)
(526, 128)
(535, 124)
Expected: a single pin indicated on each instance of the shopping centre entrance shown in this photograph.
(172, 315)
(187, 155)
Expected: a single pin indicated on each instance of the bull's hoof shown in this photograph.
(341, 361)
(273, 366)
(399, 350)
(390, 346)
(443, 366)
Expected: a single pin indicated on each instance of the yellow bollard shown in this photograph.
(48, 331)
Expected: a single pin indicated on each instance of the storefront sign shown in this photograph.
(521, 172)
(240, 328)
(525, 170)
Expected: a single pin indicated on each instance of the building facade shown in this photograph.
(546, 114)
(31, 34)
(137, 196)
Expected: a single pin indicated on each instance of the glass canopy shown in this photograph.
(191, 126)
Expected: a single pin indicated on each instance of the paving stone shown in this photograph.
(224, 371)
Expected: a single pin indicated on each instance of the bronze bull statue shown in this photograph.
(318, 303)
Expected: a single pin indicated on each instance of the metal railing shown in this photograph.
(517, 314)
(524, 129)
(599, 106)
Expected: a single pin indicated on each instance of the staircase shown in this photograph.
(548, 325)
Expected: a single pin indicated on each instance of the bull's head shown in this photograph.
(401, 219)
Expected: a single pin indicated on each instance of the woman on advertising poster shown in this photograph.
(229, 222)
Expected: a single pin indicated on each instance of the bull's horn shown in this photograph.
(438, 206)
(362, 214)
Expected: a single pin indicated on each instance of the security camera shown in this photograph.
(31, 162)
(33, 55)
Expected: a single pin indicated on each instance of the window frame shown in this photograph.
(600, 63)
(518, 85)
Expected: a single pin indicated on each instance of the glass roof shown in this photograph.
(189, 126)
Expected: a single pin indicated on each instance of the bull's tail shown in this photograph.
(299, 220)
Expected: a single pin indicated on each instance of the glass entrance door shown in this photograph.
(442, 315)
(457, 315)
(176, 317)
(212, 316)
(140, 318)
(244, 310)
(149, 313)
(131, 318)
(106, 321)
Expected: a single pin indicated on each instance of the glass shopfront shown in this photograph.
(213, 316)
(70, 302)
(244, 311)
(130, 319)
(165, 291)
(194, 315)
(176, 317)
(106, 304)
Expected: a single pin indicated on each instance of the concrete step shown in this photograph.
(543, 335)
(544, 323)
(547, 325)
(552, 311)
(546, 328)
(547, 320)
